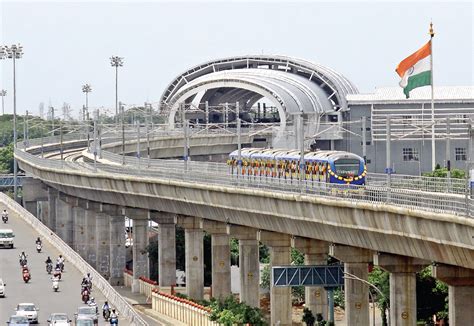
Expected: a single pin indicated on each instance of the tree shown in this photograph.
(6, 159)
(231, 312)
(380, 279)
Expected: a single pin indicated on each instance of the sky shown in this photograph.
(68, 44)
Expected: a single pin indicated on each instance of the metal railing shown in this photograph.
(375, 194)
(114, 298)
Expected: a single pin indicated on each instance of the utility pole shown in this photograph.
(207, 115)
(364, 140)
(302, 163)
(388, 168)
(123, 132)
(147, 122)
(95, 140)
(448, 149)
(25, 121)
(61, 139)
(137, 122)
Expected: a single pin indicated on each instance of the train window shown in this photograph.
(347, 167)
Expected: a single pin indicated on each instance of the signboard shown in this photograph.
(307, 275)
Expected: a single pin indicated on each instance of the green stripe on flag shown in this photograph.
(421, 79)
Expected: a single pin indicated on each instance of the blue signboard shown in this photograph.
(306, 275)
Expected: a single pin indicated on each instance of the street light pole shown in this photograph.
(116, 62)
(3, 93)
(86, 88)
(13, 52)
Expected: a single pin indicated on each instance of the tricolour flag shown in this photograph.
(415, 70)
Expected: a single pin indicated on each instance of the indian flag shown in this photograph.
(415, 70)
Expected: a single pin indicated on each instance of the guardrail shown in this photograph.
(127, 278)
(185, 311)
(100, 283)
(413, 199)
(147, 286)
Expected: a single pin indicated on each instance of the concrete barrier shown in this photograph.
(100, 283)
(184, 311)
(128, 278)
(147, 286)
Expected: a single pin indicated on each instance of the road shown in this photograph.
(39, 289)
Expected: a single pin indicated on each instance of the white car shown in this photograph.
(28, 310)
(2, 288)
(59, 319)
(6, 238)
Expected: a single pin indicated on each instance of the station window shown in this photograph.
(460, 153)
(410, 154)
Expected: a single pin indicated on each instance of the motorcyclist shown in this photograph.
(60, 262)
(25, 271)
(5, 215)
(88, 280)
(55, 281)
(92, 303)
(106, 310)
(38, 241)
(48, 261)
(113, 318)
(23, 257)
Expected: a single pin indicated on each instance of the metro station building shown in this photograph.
(279, 89)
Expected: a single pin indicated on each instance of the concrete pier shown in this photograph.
(116, 249)
(249, 264)
(139, 252)
(356, 293)
(34, 191)
(461, 292)
(80, 239)
(402, 286)
(220, 247)
(280, 297)
(315, 253)
(64, 221)
(194, 265)
(166, 248)
(53, 196)
(103, 244)
(91, 250)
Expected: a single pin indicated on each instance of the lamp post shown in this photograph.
(13, 52)
(116, 62)
(3, 93)
(86, 89)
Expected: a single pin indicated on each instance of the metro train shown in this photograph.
(320, 166)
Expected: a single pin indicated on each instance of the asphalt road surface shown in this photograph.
(39, 290)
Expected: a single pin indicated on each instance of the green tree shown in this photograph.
(6, 159)
(231, 312)
(380, 279)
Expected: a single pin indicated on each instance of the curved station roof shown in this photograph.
(292, 85)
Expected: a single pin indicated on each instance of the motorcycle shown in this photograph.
(5, 218)
(61, 265)
(114, 321)
(55, 285)
(85, 295)
(106, 314)
(26, 276)
(49, 268)
(38, 247)
(57, 274)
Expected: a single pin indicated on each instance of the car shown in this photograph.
(84, 321)
(2, 288)
(6, 238)
(18, 321)
(59, 319)
(87, 311)
(29, 311)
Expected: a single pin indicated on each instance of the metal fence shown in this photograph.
(114, 298)
(376, 194)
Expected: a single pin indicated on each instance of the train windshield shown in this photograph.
(347, 167)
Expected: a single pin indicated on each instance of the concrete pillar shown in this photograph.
(90, 245)
(43, 211)
(103, 258)
(460, 292)
(34, 191)
(31, 206)
(64, 221)
(315, 253)
(249, 265)
(194, 265)
(220, 248)
(402, 271)
(117, 249)
(280, 297)
(53, 196)
(356, 293)
(139, 251)
(166, 248)
(80, 239)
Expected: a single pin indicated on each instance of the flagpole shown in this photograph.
(433, 144)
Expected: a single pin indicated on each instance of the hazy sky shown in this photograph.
(69, 44)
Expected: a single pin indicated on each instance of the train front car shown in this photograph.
(346, 168)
